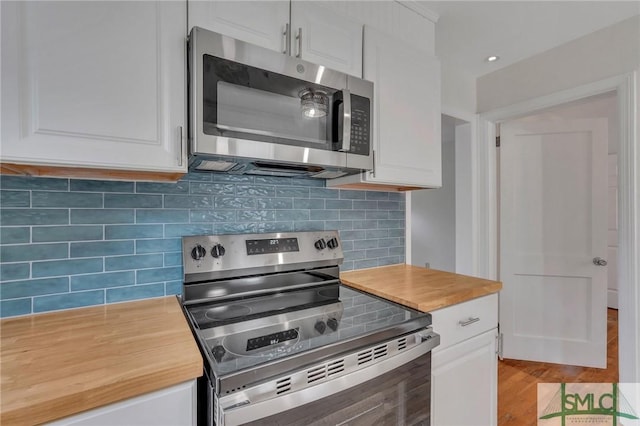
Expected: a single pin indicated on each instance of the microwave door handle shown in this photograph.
(346, 121)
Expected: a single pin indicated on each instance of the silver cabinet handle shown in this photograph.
(181, 153)
(299, 38)
(287, 40)
(346, 123)
(598, 261)
(469, 321)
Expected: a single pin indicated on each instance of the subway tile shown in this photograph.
(173, 287)
(226, 202)
(139, 201)
(24, 182)
(102, 216)
(365, 224)
(274, 203)
(365, 204)
(198, 176)
(14, 199)
(339, 225)
(347, 194)
(187, 201)
(182, 230)
(355, 255)
(100, 185)
(158, 245)
(364, 264)
(103, 280)
(67, 301)
(145, 276)
(396, 196)
(235, 228)
(173, 259)
(377, 214)
(135, 292)
(10, 308)
(391, 242)
(43, 234)
(395, 223)
(180, 187)
(34, 217)
(14, 235)
(102, 248)
(33, 252)
(212, 188)
(256, 215)
(397, 251)
(391, 260)
(292, 192)
(376, 253)
(54, 268)
(29, 288)
(346, 245)
(352, 214)
(399, 232)
(388, 205)
(14, 271)
(255, 191)
(338, 204)
(311, 203)
(399, 214)
(365, 244)
(376, 195)
(273, 180)
(222, 177)
(324, 214)
(284, 215)
(352, 235)
(274, 227)
(121, 232)
(139, 261)
(308, 225)
(372, 234)
(346, 266)
(212, 215)
(65, 199)
(162, 216)
(324, 193)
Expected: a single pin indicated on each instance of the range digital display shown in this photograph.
(271, 339)
(272, 245)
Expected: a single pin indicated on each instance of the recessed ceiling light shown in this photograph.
(492, 58)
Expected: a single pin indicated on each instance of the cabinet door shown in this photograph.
(464, 383)
(262, 23)
(94, 84)
(324, 37)
(406, 130)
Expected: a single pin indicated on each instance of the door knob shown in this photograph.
(599, 261)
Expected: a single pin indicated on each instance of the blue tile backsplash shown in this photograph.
(67, 243)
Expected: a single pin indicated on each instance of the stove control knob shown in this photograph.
(332, 323)
(218, 352)
(320, 327)
(217, 251)
(198, 252)
(320, 244)
(332, 243)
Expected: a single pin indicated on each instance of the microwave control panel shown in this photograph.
(360, 125)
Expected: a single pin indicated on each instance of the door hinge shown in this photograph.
(499, 340)
(497, 141)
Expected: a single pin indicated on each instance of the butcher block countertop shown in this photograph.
(419, 288)
(57, 364)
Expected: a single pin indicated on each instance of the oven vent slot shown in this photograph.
(402, 343)
(335, 367)
(283, 385)
(316, 374)
(365, 356)
(380, 351)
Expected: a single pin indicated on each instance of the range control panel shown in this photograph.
(239, 252)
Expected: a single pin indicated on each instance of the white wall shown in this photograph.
(464, 200)
(612, 51)
(433, 220)
(458, 91)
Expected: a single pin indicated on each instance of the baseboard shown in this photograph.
(612, 298)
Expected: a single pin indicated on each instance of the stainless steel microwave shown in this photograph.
(257, 111)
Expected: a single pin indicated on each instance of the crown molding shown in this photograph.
(421, 9)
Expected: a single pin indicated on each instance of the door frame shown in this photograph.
(486, 202)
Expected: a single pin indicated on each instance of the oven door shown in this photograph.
(395, 391)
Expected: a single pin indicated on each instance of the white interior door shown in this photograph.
(553, 223)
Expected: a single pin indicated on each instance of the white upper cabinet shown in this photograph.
(406, 124)
(95, 84)
(306, 30)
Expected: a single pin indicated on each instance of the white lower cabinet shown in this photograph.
(173, 406)
(464, 368)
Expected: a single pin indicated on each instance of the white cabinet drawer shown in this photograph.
(459, 322)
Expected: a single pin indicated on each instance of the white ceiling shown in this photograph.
(469, 31)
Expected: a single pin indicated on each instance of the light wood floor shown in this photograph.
(517, 380)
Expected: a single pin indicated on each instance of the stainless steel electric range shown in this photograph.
(285, 343)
